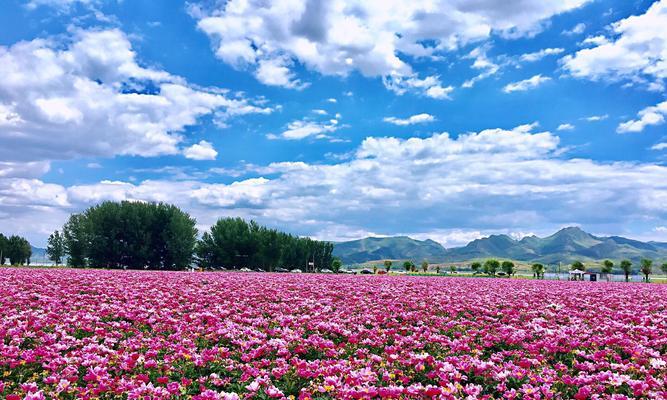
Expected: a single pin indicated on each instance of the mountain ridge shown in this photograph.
(566, 245)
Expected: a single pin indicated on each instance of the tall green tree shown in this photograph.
(607, 267)
(508, 268)
(663, 267)
(3, 248)
(18, 250)
(336, 265)
(408, 265)
(76, 240)
(55, 248)
(626, 267)
(491, 267)
(646, 268)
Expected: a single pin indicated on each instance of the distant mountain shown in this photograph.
(566, 245)
(388, 248)
(38, 255)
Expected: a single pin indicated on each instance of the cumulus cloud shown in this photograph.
(200, 151)
(578, 29)
(636, 50)
(526, 84)
(413, 119)
(484, 181)
(374, 38)
(301, 129)
(565, 127)
(659, 146)
(654, 115)
(88, 95)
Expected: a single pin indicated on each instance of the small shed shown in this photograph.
(577, 275)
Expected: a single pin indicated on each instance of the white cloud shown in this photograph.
(483, 63)
(87, 95)
(332, 100)
(596, 118)
(659, 146)
(654, 115)
(538, 55)
(526, 84)
(200, 151)
(413, 119)
(341, 36)
(430, 86)
(578, 29)
(276, 72)
(515, 180)
(320, 112)
(301, 129)
(565, 127)
(636, 50)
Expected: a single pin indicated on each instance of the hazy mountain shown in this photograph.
(38, 255)
(398, 247)
(566, 245)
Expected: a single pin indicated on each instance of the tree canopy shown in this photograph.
(130, 235)
(234, 243)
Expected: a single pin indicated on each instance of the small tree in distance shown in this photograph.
(646, 268)
(578, 265)
(424, 265)
(491, 267)
(408, 265)
(387, 265)
(508, 267)
(663, 267)
(336, 265)
(538, 270)
(475, 267)
(626, 267)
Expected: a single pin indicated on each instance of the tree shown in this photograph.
(475, 267)
(508, 267)
(538, 270)
(387, 265)
(663, 267)
(626, 267)
(18, 250)
(408, 265)
(424, 265)
(578, 265)
(3, 248)
(437, 269)
(452, 268)
(646, 268)
(607, 266)
(336, 265)
(55, 248)
(491, 267)
(130, 235)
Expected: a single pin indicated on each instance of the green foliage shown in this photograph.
(235, 243)
(646, 268)
(578, 265)
(424, 265)
(17, 250)
(663, 267)
(491, 267)
(409, 266)
(607, 267)
(538, 270)
(626, 267)
(508, 267)
(55, 248)
(387, 265)
(336, 265)
(3, 248)
(130, 235)
(452, 268)
(476, 267)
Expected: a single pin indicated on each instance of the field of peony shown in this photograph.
(166, 335)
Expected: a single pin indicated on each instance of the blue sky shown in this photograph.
(339, 119)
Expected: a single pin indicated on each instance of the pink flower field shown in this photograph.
(165, 335)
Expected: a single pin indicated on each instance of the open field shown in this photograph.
(111, 334)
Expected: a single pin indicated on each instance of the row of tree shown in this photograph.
(16, 249)
(645, 268)
(233, 242)
(161, 236)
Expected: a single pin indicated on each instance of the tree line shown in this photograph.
(15, 249)
(138, 235)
